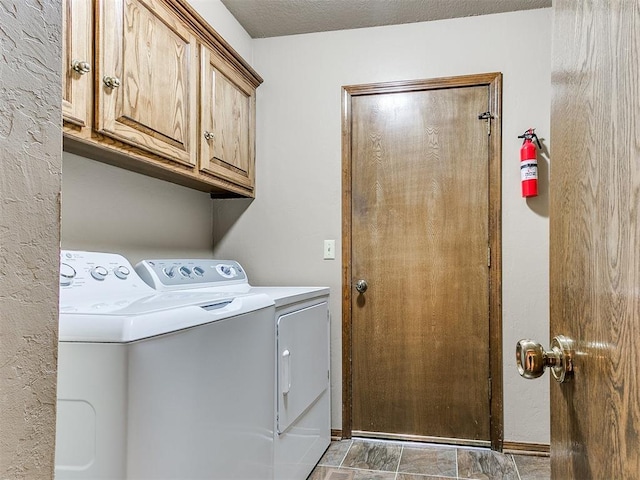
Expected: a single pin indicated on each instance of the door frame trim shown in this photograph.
(494, 82)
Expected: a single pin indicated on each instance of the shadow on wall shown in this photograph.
(540, 204)
(226, 214)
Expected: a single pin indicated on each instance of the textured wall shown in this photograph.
(30, 152)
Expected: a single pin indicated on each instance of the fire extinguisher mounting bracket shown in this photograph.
(530, 135)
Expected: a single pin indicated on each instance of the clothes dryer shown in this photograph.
(301, 416)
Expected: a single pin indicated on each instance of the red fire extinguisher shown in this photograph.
(529, 163)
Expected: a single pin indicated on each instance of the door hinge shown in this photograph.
(489, 257)
(490, 389)
(486, 116)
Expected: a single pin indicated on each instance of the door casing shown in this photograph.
(494, 82)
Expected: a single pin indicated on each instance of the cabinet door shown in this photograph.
(76, 61)
(150, 58)
(227, 147)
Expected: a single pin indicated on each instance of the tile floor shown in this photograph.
(359, 459)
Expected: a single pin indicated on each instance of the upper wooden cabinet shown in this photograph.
(171, 98)
(227, 115)
(147, 78)
(77, 61)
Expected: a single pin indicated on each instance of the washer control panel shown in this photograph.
(173, 274)
(88, 275)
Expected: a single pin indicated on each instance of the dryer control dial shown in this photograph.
(227, 271)
(170, 272)
(185, 271)
(199, 271)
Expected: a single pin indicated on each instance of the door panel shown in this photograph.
(595, 238)
(420, 238)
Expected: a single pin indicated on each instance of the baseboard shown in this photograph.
(422, 439)
(518, 448)
(524, 448)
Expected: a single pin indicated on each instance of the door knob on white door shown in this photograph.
(532, 358)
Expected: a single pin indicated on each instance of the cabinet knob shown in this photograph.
(209, 136)
(81, 67)
(111, 82)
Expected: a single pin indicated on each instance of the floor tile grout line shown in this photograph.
(346, 453)
(457, 472)
(399, 460)
(516, 465)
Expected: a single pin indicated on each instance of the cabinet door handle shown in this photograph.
(81, 67)
(111, 82)
(209, 136)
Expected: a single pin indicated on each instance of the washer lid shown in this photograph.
(150, 317)
(144, 304)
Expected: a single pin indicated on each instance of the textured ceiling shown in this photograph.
(274, 18)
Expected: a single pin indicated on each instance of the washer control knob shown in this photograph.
(67, 274)
(185, 271)
(99, 273)
(170, 272)
(199, 271)
(121, 272)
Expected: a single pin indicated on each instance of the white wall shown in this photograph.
(108, 209)
(214, 12)
(278, 237)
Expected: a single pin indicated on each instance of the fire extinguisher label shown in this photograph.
(529, 170)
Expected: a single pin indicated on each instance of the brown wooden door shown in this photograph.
(154, 57)
(595, 238)
(420, 238)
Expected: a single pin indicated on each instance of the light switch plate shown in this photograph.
(329, 249)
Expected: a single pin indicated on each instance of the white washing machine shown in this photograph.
(160, 385)
(301, 417)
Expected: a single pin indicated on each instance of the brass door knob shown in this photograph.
(532, 358)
